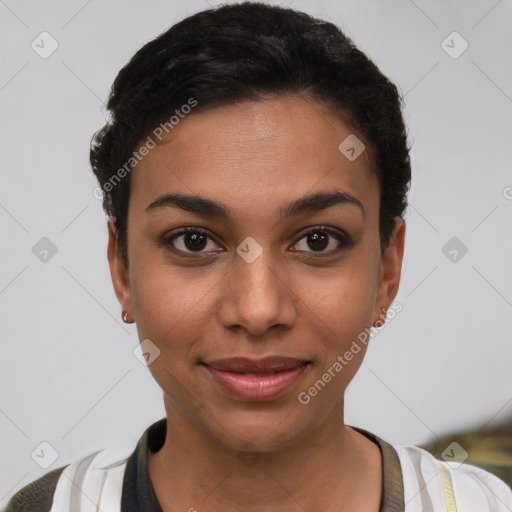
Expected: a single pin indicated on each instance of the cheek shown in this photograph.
(170, 306)
(338, 319)
(343, 302)
(171, 311)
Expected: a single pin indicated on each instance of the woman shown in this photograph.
(255, 174)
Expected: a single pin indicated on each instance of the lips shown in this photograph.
(265, 366)
(256, 380)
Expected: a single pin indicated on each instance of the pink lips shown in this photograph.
(261, 380)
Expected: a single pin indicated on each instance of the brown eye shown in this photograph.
(189, 240)
(194, 241)
(319, 239)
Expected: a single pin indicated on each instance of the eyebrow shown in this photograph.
(307, 204)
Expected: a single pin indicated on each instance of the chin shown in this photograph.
(258, 428)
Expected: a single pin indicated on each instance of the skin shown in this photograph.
(256, 157)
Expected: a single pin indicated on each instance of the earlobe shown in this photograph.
(118, 271)
(391, 267)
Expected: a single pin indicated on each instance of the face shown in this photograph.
(254, 277)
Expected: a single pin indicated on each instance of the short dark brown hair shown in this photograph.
(247, 51)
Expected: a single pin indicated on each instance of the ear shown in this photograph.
(118, 271)
(390, 270)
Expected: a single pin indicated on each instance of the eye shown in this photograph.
(320, 238)
(189, 240)
(192, 240)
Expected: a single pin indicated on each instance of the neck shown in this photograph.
(327, 469)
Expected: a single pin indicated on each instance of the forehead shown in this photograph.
(254, 155)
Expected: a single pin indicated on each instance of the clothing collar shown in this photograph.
(392, 499)
(138, 494)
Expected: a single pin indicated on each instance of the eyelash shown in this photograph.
(344, 240)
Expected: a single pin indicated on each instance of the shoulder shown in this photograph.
(37, 496)
(432, 482)
(97, 476)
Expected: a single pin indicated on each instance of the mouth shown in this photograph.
(256, 380)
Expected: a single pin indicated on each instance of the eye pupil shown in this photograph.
(318, 240)
(197, 241)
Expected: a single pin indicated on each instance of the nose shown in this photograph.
(258, 296)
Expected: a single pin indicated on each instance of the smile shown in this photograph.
(256, 381)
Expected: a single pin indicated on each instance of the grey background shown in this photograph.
(68, 375)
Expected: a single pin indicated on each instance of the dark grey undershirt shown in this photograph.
(139, 496)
